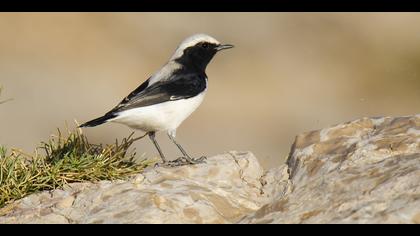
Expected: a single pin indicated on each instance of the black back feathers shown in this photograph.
(179, 86)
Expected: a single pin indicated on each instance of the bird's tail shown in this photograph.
(98, 121)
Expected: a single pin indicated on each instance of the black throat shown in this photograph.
(196, 59)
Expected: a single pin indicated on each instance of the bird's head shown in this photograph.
(198, 50)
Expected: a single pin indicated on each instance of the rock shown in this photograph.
(224, 190)
(364, 171)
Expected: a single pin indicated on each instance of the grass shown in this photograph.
(64, 160)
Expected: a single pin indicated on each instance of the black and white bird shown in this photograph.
(169, 96)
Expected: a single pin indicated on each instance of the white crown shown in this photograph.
(191, 41)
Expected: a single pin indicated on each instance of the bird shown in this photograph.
(169, 96)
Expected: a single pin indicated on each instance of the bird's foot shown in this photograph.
(182, 161)
(193, 161)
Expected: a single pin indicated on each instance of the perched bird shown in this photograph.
(169, 96)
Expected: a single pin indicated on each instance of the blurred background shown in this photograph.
(289, 73)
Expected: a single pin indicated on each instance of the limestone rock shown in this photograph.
(224, 190)
(364, 171)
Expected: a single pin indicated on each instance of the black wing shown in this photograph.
(175, 88)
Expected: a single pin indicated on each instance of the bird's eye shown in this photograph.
(205, 45)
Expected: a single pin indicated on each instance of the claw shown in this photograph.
(182, 161)
(200, 160)
(193, 161)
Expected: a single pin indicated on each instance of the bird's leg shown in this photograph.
(187, 158)
(153, 138)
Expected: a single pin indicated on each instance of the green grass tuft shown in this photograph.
(64, 160)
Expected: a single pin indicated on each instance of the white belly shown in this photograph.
(159, 117)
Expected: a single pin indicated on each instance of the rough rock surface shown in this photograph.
(364, 171)
(221, 191)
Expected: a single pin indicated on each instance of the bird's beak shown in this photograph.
(224, 46)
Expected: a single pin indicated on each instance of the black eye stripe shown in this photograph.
(205, 45)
